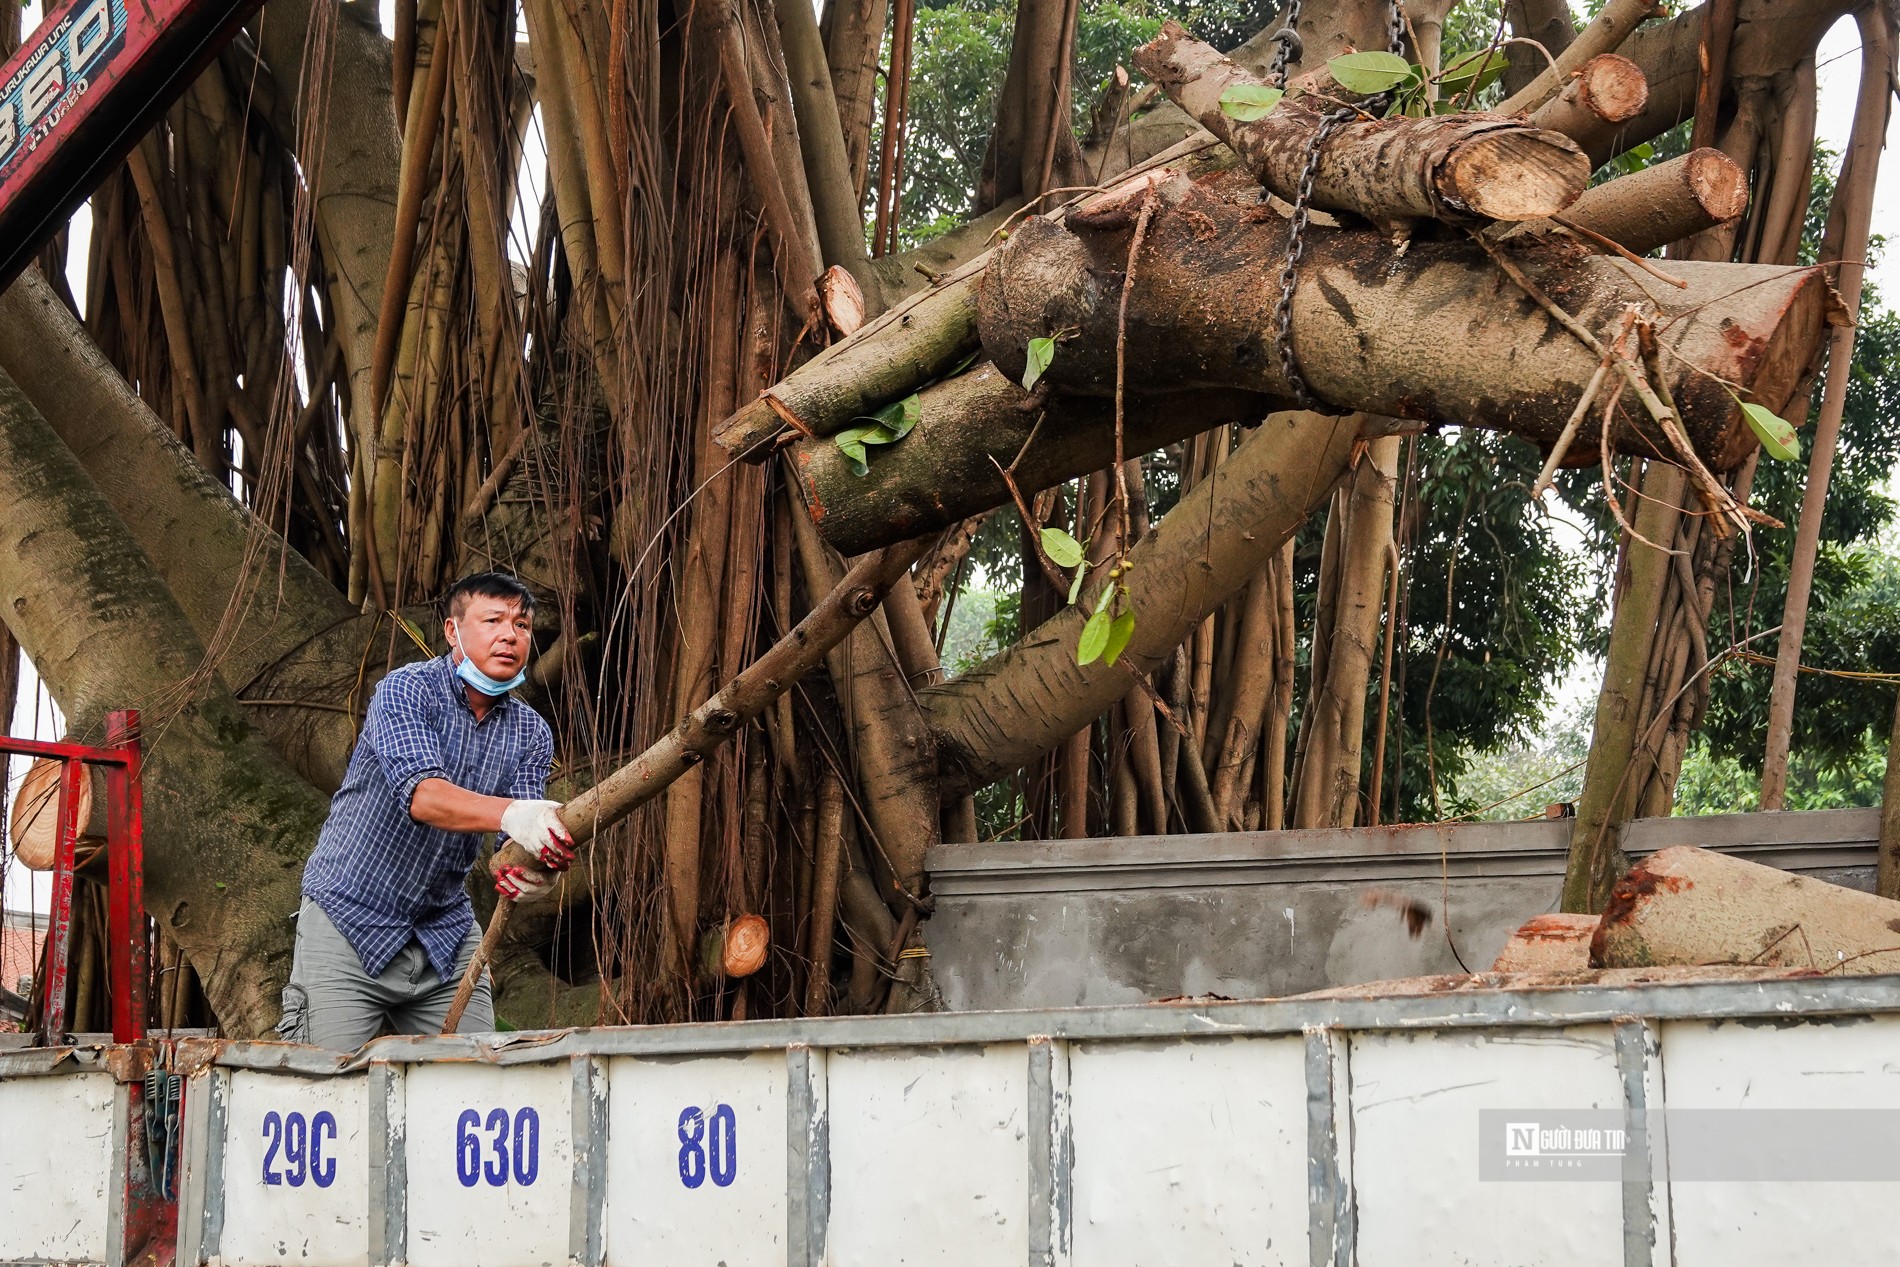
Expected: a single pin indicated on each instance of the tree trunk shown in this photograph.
(1612, 780)
(1328, 793)
(227, 825)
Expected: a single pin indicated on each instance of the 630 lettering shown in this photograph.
(514, 1147)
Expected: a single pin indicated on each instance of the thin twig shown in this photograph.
(1646, 265)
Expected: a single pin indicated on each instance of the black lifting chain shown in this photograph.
(1289, 46)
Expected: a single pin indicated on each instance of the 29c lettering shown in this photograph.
(301, 1142)
(704, 1153)
(514, 1147)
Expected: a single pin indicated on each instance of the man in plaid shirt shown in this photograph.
(386, 929)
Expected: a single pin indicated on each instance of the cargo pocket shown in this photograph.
(293, 1026)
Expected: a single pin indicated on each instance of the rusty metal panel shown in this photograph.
(1416, 1101)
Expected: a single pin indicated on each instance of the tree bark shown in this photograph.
(354, 194)
(822, 141)
(1844, 243)
(1549, 23)
(854, 37)
(1604, 34)
(1887, 873)
(1328, 793)
(1027, 700)
(227, 825)
(1459, 166)
(1611, 780)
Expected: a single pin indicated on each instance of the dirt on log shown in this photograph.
(1439, 333)
(1457, 166)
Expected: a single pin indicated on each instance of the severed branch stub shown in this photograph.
(704, 729)
(1460, 167)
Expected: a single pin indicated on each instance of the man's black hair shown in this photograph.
(486, 585)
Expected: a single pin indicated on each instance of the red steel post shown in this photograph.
(129, 964)
(60, 924)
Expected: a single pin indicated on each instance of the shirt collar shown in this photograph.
(456, 687)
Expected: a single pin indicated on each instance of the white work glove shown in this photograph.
(519, 884)
(536, 827)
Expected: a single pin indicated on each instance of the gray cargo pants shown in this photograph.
(333, 1002)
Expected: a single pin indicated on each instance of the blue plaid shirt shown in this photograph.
(381, 876)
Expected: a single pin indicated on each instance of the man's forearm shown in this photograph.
(440, 803)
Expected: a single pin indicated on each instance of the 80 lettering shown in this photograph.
(514, 1147)
(707, 1153)
(301, 1143)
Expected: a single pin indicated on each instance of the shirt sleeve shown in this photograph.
(529, 782)
(398, 731)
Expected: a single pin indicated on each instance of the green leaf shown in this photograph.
(853, 450)
(1369, 72)
(1472, 73)
(1063, 550)
(896, 418)
(1094, 636)
(1119, 633)
(1042, 353)
(1777, 435)
(1247, 102)
(1075, 586)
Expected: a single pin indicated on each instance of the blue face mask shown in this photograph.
(466, 670)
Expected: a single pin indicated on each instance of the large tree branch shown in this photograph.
(1028, 700)
(1439, 334)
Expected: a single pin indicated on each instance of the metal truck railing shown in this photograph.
(1329, 1131)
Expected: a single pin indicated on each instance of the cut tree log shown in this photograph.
(948, 468)
(1439, 334)
(1684, 905)
(1607, 92)
(1456, 166)
(1605, 34)
(1651, 208)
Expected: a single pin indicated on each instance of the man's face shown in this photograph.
(495, 634)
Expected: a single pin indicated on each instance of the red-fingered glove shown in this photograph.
(522, 884)
(537, 826)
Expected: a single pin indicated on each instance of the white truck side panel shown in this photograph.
(696, 1161)
(56, 1182)
(1415, 1104)
(1189, 1153)
(282, 1205)
(929, 1160)
(1844, 1064)
(493, 1151)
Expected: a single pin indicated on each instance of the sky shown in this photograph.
(1838, 65)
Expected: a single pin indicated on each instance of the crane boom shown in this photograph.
(81, 90)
